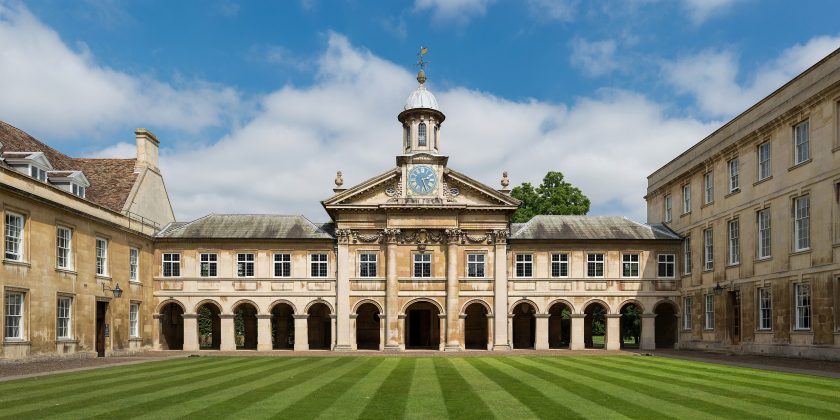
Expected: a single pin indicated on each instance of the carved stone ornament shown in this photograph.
(501, 235)
(505, 179)
(453, 236)
(343, 235)
(392, 236)
(361, 237)
(478, 238)
(339, 179)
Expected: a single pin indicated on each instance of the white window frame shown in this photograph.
(13, 236)
(764, 238)
(708, 249)
(764, 157)
(422, 135)
(134, 265)
(14, 312)
(172, 261)
(134, 320)
(630, 261)
(281, 264)
(733, 229)
(801, 142)
(421, 266)
(210, 260)
(686, 192)
(320, 263)
(64, 318)
(669, 204)
(595, 260)
(102, 257)
(78, 190)
(476, 265)
(63, 248)
(246, 264)
(687, 255)
(525, 262)
(687, 302)
(38, 173)
(734, 175)
(802, 223)
(368, 264)
(709, 312)
(708, 187)
(765, 308)
(559, 264)
(669, 263)
(802, 301)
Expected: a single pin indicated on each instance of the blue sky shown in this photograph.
(257, 104)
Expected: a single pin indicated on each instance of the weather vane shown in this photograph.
(420, 62)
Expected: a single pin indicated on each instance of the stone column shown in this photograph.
(228, 342)
(500, 292)
(353, 340)
(342, 291)
(648, 332)
(613, 331)
(577, 332)
(333, 337)
(400, 332)
(453, 343)
(156, 331)
(264, 333)
(392, 288)
(541, 339)
(301, 332)
(190, 332)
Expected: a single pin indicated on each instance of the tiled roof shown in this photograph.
(111, 180)
(246, 226)
(553, 227)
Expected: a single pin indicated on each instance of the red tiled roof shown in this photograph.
(111, 180)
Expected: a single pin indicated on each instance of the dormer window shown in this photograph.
(421, 135)
(38, 173)
(78, 190)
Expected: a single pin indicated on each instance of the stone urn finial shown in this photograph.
(339, 180)
(505, 180)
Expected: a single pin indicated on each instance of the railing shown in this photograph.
(144, 222)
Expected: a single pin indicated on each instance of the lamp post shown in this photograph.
(116, 290)
(718, 289)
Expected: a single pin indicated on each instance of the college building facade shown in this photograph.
(424, 257)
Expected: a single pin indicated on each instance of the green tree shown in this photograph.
(553, 196)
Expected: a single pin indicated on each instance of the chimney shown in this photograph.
(147, 149)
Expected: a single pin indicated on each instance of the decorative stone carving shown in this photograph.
(505, 180)
(339, 180)
(376, 237)
(453, 236)
(500, 235)
(478, 238)
(343, 235)
(392, 236)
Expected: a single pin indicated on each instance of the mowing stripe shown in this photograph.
(191, 395)
(390, 399)
(502, 404)
(79, 386)
(758, 401)
(322, 398)
(532, 398)
(350, 405)
(79, 401)
(460, 398)
(426, 400)
(613, 396)
(682, 401)
(250, 395)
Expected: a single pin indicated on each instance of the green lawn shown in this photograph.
(422, 387)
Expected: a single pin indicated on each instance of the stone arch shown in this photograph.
(630, 324)
(422, 324)
(595, 323)
(206, 301)
(561, 301)
(633, 301)
(209, 325)
(315, 302)
(167, 302)
(243, 301)
(588, 303)
(672, 302)
(368, 325)
(524, 324)
(282, 324)
(364, 301)
(284, 302)
(476, 325)
(478, 301)
(666, 323)
(171, 325)
(525, 300)
(319, 325)
(245, 324)
(432, 301)
(560, 324)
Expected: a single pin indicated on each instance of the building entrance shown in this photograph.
(422, 327)
(102, 332)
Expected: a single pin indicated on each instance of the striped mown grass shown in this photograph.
(422, 387)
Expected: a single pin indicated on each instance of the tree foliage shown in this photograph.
(553, 196)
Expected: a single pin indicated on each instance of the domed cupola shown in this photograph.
(421, 118)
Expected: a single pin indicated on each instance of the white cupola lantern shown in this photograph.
(421, 118)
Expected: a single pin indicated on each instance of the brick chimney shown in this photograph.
(147, 149)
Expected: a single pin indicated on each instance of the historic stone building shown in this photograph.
(757, 204)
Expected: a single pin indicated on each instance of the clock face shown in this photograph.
(422, 179)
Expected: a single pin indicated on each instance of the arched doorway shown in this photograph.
(475, 327)
(367, 327)
(630, 325)
(172, 327)
(319, 326)
(245, 326)
(422, 326)
(209, 327)
(524, 326)
(282, 327)
(665, 325)
(595, 326)
(559, 326)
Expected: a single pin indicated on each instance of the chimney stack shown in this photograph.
(147, 149)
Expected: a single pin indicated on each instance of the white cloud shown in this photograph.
(553, 10)
(457, 10)
(701, 10)
(54, 90)
(712, 77)
(594, 58)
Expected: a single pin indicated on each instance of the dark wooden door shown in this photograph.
(101, 310)
(735, 312)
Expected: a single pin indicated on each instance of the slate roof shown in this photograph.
(554, 227)
(111, 180)
(246, 226)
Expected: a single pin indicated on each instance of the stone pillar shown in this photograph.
(156, 332)
(648, 332)
(353, 340)
(541, 339)
(453, 343)
(301, 332)
(342, 291)
(400, 332)
(613, 339)
(577, 332)
(228, 333)
(333, 337)
(500, 292)
(392, 286)
(441, 332)
(264, 333)
(190, 332)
